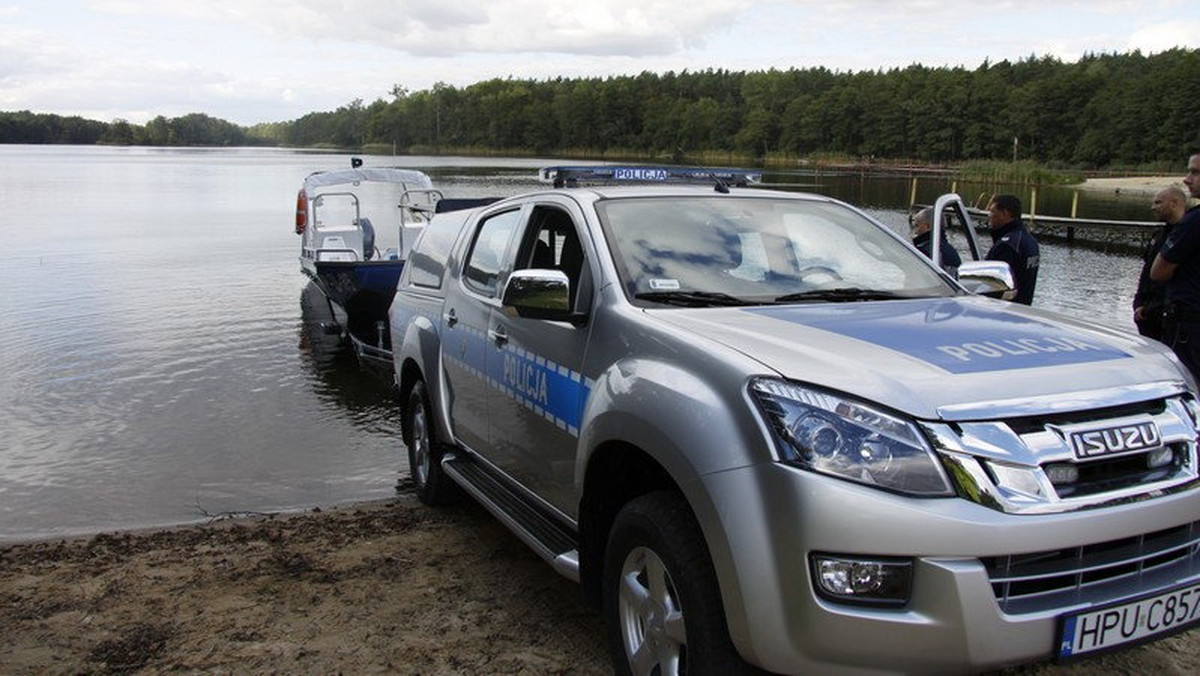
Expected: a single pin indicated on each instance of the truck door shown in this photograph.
(470, 302)
(536, 410)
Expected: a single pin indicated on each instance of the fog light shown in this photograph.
(1160, 457)
(885, 582)
(1061, 473)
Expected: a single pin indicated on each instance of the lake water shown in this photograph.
(161, 353)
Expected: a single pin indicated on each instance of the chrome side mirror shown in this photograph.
(988, 278)
(538, 294)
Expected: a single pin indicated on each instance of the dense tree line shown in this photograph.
(1125, 109)
(195, 129)
(1106, 109)
(27, 127)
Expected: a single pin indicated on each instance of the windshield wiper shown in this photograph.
(839, 295)
(693, 298)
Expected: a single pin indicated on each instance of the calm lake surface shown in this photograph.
(161, 353)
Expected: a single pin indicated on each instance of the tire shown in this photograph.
(433, 486)
(662, 606)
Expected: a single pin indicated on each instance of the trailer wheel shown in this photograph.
(433, 486)
(662, 606)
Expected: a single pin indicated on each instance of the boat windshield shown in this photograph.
(723, 250)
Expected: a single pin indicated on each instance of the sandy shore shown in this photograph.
(380, 588)
(391, 587)
(1147, 185)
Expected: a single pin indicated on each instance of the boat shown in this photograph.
(357, 226)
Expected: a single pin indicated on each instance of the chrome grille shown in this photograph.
(1096, 572)
(1105, 475)
(1036, 423)
(1031, 464)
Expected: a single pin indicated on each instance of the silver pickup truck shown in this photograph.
(763, 431)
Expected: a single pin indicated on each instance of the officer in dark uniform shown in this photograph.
(923, 240)
(1178, 264)
(1013, 244)
(1150, 297)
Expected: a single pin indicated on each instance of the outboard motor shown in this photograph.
(368, 233)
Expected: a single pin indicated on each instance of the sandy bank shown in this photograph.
(1147, 185)
(381, 588)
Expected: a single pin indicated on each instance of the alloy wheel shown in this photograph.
(421, 443)
(651, 616)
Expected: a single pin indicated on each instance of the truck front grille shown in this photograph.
(1112, 474)
(1094, 573)
(1106, 474)
(1037, 423)
(1071, 461)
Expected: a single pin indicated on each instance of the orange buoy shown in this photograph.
(301, 211)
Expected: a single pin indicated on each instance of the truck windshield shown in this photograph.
(682, 250)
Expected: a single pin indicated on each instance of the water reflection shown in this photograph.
(335, 372)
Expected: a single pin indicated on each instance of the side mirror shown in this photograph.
(988, 278)
(539, 294)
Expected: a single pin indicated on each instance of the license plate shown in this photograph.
(1131, 622)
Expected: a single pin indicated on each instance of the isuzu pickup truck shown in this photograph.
(764, 432)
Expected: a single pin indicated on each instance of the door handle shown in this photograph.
(451, 317)
(498, 335)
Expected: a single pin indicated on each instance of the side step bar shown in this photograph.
(543, 533)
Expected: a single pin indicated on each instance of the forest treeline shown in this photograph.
(1103, 110)
(195, 129)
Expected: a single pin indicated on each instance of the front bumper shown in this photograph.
(954, 621)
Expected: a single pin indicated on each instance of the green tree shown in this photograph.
(119, 133)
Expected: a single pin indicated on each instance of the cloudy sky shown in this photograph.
(250, 61)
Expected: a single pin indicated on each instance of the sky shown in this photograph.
(251, 61)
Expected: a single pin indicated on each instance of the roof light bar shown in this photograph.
(569, 176)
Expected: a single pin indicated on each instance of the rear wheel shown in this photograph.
(662, 606)
(433, 487)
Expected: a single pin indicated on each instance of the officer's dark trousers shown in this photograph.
(1151, 325)
(1184, 338)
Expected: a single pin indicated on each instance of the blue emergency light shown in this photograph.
(722, 178)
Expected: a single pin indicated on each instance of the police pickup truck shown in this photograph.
(763, 431)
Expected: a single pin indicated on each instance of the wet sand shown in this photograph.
(391, 587)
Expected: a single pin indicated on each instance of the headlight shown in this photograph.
(831, 434)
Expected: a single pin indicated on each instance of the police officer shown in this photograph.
(923, 240)
(1013, 244)
(1150, 297)
(1178, 264)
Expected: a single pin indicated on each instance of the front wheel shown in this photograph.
(662, 605)
(424, 451)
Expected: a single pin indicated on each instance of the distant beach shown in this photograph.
(1133, 184)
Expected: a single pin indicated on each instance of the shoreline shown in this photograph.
(383, 586)
(1141, 185)
(389, 586)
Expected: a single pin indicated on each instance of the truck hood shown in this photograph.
(925, 356)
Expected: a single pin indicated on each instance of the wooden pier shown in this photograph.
(1069, 223)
